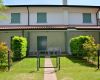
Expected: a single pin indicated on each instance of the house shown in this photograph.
(50, 26)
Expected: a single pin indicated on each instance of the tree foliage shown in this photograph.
(4, 54)
(2, 9)
(91, 48)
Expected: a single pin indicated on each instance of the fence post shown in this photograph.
(59, 57)
(56, 59)
(8, 60)
(39, 58)
(98, 57)
(37, 61)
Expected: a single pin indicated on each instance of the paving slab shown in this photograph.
(49, 73)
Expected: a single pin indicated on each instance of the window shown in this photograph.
(15, 17)
(86, 17)
(41, 17)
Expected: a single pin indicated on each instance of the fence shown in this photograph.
(56, 53)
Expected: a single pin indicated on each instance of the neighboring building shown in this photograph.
(50, 26)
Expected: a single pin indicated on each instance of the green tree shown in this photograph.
(2, 9)
(91, 48)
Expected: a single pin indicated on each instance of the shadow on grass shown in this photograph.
(3, 68)
(80, 61)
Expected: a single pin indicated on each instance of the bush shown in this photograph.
(76, 45)
(91, 49)
(4, 54)
(19, 47)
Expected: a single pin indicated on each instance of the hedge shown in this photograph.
(19, 47)
(76, 45)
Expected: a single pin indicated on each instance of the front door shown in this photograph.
(41, 43)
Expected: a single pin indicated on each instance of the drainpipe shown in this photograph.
(28, 33)
(28, 15)
(28, 21)
(97, 16)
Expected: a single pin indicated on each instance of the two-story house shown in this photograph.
(50, 26)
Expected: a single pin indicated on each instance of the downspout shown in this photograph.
(28, 33)
(28, 16)
(97, 16)
(28, 21)
(98, 23)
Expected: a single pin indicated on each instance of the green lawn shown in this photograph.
(24, 70)
(71, 69)
(76, 69)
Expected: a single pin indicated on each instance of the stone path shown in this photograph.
(49, 73)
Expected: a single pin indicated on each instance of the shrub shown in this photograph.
(76, 45)
(91, 48)
(4, 54)
(19, 47)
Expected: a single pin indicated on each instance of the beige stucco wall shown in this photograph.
(5, 36)
(55, 39)
(71, 34)
(55, 15)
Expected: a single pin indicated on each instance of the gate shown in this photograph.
(57, 54)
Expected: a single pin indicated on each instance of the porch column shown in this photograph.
(28, 43)
(66, 41)
(23, 33)
(99, 37)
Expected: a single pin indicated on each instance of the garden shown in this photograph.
(81, 65)
(21, 67)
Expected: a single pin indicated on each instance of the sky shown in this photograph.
(52, 2)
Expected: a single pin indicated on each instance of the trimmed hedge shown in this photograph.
(76, 45)
(19, 47)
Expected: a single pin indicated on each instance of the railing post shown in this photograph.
(98, 57)
(59, 54)
(59, 62)
(8, 60)
(39, 58)
(37, 61)
(56, 59)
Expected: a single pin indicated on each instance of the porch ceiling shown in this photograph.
(49, 27)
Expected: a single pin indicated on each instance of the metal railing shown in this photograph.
(57, 54)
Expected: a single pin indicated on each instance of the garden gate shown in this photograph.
(55, 53)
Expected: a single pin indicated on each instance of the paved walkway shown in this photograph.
(49, 73)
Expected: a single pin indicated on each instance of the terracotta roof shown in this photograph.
(88, 28)
(34, 27)
(49, 27)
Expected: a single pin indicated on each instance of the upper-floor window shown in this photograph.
(41, 17)
(86, 17)
(15, 17)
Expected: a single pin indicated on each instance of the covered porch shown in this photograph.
(46, 37)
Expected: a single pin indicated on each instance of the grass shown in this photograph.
(76, 69)
(24, 70)
(71, 69)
